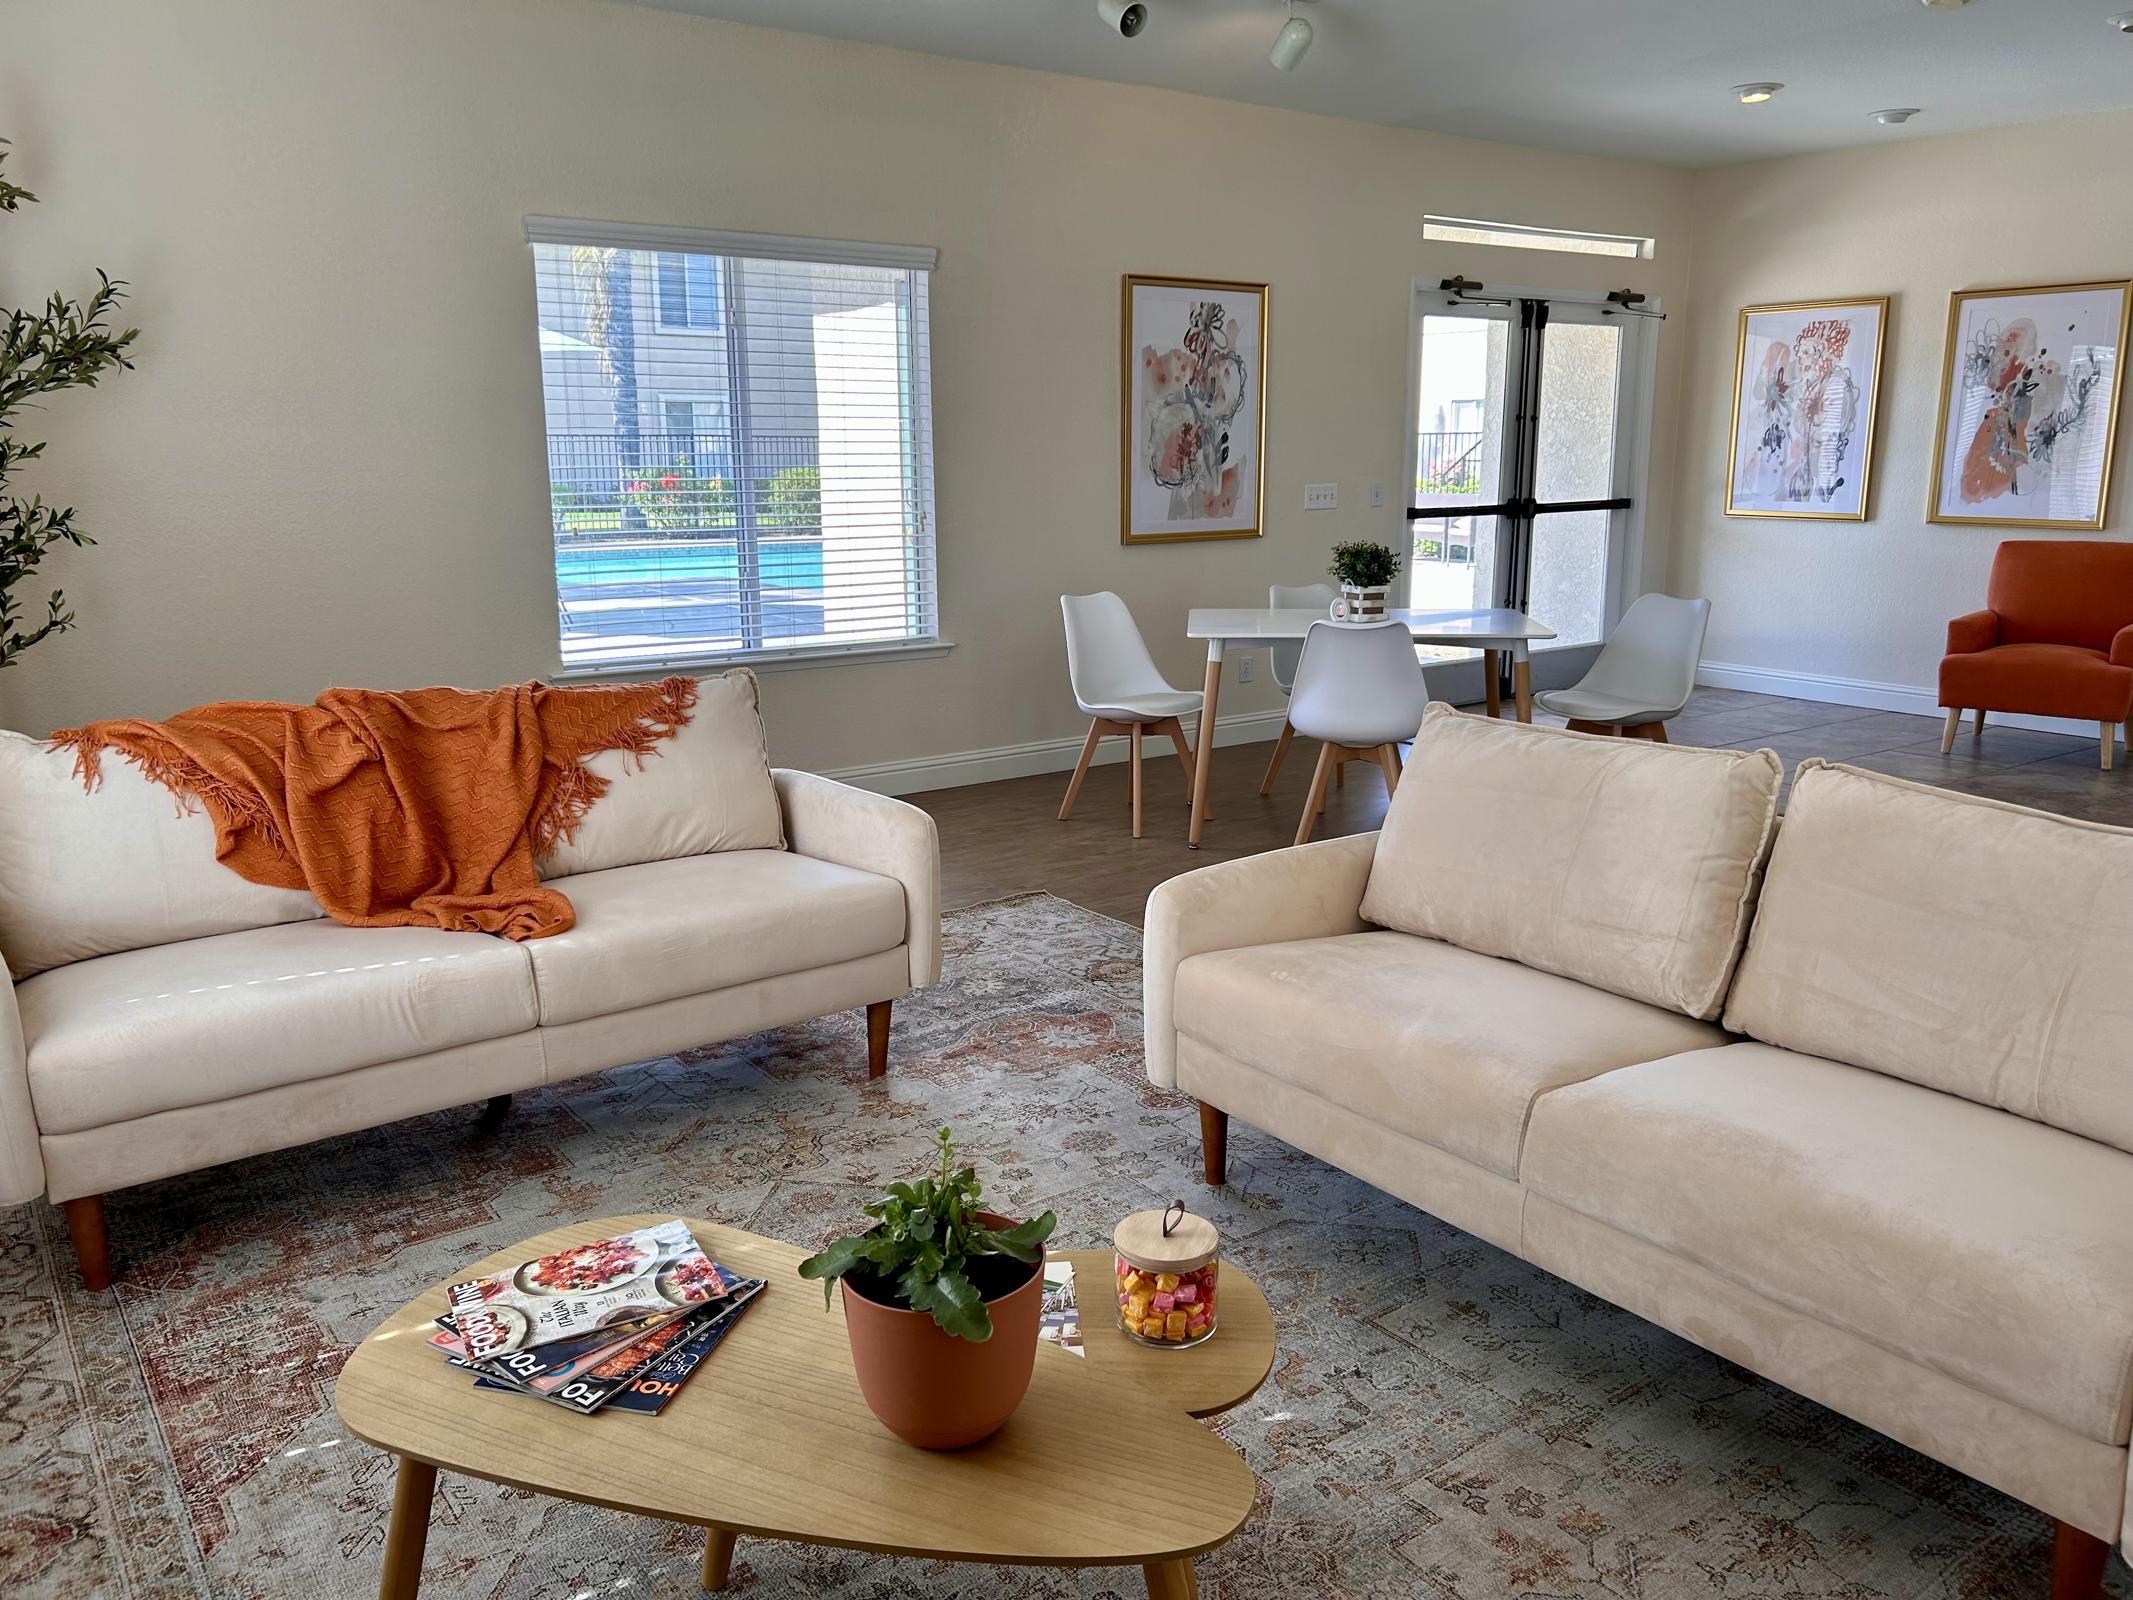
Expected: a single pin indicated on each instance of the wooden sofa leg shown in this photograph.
(85, 1225)
(2077, 1563)
(1214, 1144)
(878, 1038)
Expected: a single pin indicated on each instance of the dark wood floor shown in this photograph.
(1004, 838)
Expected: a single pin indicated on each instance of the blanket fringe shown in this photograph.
(158, 761)
(577, 786)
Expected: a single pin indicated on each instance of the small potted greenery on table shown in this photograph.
(1366, 570)
(941, 1303)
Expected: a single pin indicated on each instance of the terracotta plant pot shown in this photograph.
(932, 1389)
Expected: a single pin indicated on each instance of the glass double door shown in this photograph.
(1524, 421)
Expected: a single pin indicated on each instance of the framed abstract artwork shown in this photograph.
(1805, 378)
(2029, 405)
(1193, 405)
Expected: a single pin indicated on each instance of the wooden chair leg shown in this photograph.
(1281, 749)
(1214, 1144)
(85, 1226)
(1134, 739)
(1081, 769)
(1389, 759)
(1176, 730)
(1340, 772)
(2077, 1563)
(1580, 725)
(878, 1037)
(1954, 726)
(2107, 741)
(1654, 731)
(1317, 800)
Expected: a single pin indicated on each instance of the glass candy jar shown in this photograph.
(1168, 1262)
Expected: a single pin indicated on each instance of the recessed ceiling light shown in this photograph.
(2123, 22)
(1895, 114)
(1947, 5)
(1754, 94)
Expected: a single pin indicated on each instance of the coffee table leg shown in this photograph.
(718, 1558)
(408, 1531)
(1171, 1580)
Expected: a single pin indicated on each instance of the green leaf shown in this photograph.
(844, 1255)
(1024, 1241)
(954, 1302)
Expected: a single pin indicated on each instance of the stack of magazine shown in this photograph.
(616, 1323)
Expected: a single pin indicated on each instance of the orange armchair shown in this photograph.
(2055, 639)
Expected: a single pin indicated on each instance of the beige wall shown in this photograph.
(1870, 602)
(329, 467)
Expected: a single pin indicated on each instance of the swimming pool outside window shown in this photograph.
(757, 484)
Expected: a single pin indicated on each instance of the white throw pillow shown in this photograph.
(705, 789)
(121, 867)
(1627, 865)
(1975, 947)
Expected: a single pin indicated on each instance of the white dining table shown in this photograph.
(1236, 628)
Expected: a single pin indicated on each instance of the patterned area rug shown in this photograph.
(1443, 1421)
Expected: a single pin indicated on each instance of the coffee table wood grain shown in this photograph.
(1101, 1466)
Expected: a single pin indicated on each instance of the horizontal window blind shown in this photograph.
(739, 443)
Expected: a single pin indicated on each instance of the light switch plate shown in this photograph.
(1377, 495)
(1244, 669)
(1321, 496)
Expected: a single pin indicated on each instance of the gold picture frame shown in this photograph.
(2005, 385)
(1179, 338)
(1797, 333)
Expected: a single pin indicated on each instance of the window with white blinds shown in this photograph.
(739, 443)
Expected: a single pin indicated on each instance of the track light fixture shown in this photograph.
(1126, 18)
(1291, 42)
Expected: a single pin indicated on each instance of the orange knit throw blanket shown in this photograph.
(422, 809)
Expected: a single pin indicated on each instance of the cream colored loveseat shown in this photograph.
(1848, 1102)
(166, 1015)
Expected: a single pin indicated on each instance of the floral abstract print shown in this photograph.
(1804, 410)
(2030, 405)
(1192, 448)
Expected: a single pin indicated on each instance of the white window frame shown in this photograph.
(928, 642)
(688, 300)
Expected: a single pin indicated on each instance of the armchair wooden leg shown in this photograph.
(1954, 726)
(1979, 725)
(85, 1226)
(2107, 741)
(1281, 749)
(2077, 1563)
(1081, 769)
(878, 1037)
(1214, 1144)
(1317, 799)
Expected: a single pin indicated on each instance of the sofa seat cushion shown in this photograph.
(203, 1020)
(666, 929)
(1626, 865)
(1978, 1244)
(1965, 944)
(2050, 680)
(1429, 1040)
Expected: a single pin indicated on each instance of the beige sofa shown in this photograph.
(1849, 1103)
(166, 1015)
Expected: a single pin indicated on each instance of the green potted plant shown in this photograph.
(1366, 570)
(941, 1303)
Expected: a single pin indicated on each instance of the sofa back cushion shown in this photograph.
(707, 788)
(123, 866)
(1975, 947)
(1625, 865)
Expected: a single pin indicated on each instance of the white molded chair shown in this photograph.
(1282, 658)
(1119, 689)
(1359, 691)
(1644, 674)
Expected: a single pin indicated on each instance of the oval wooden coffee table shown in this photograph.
(1102, 1465)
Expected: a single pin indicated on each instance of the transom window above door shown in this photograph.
(739, 440)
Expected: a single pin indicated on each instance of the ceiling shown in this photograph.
(1645, 79)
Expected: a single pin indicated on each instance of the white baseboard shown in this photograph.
(955, 768)
(1866, 692)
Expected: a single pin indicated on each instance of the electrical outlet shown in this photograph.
(1244, 669)
(1377, 495)
(1321, 496)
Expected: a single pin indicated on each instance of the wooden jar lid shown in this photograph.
(1190, 1243)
